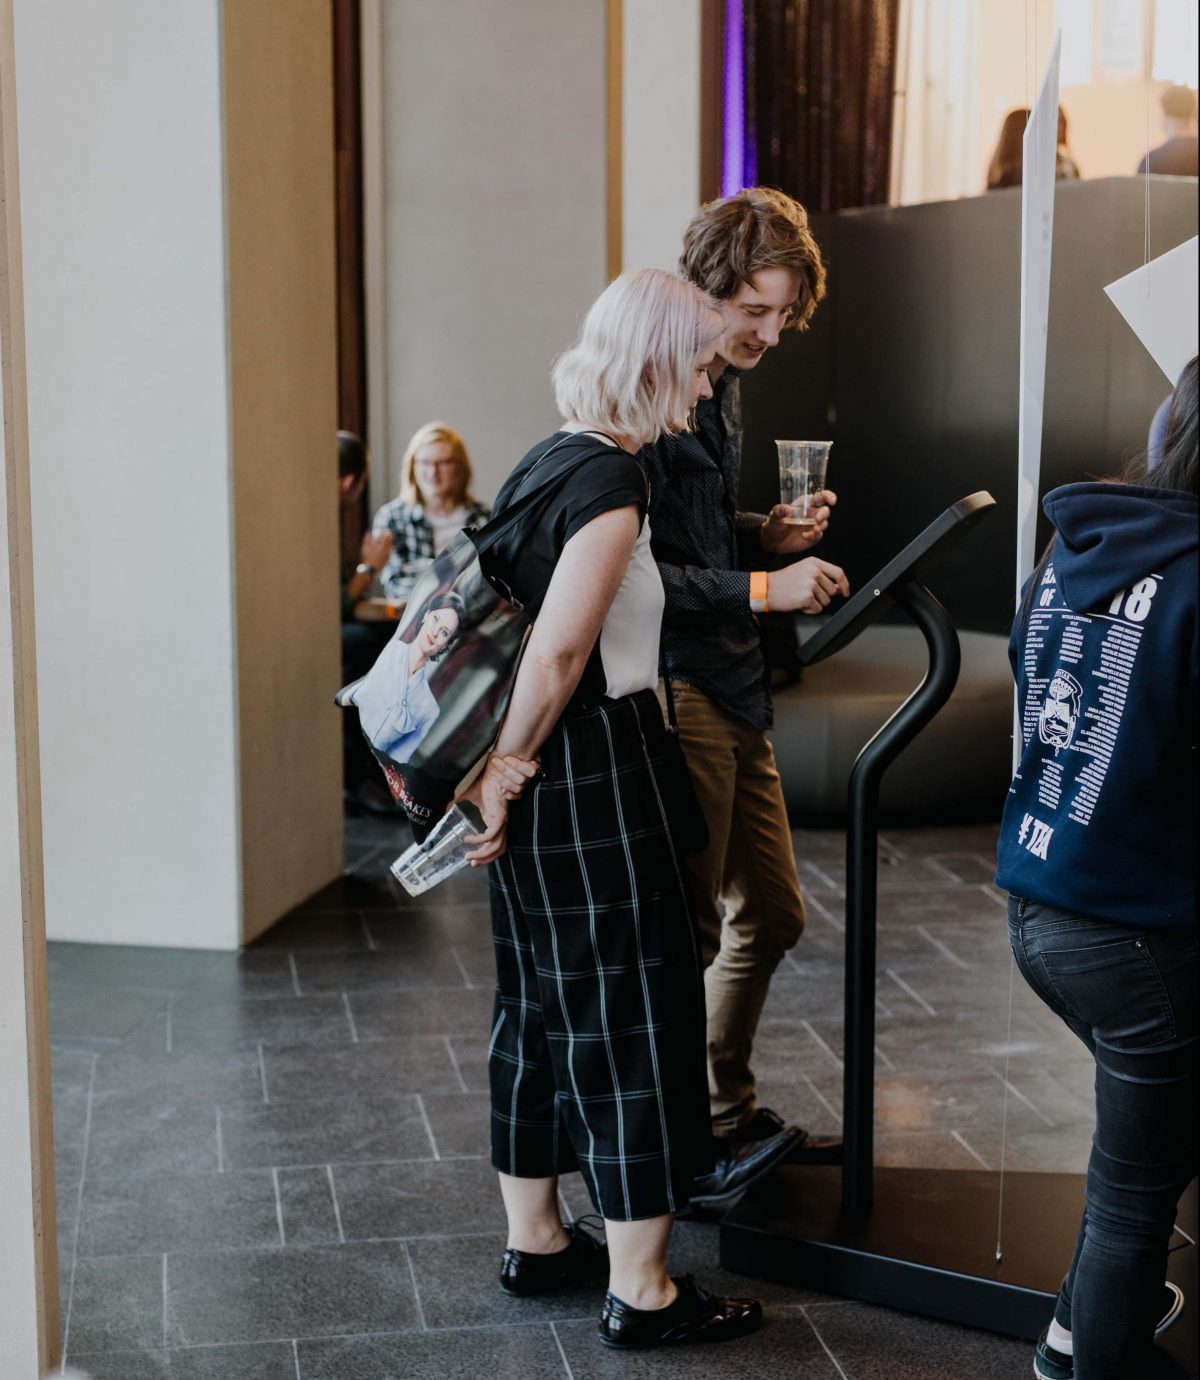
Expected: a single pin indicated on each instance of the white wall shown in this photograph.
(964, 64)
(1106, 118)
(120, 137)
(660, 145)
(493, 214)
(178, 223)
(1108, 125)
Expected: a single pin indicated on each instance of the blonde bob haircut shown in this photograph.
(631, 369)
(433, 433)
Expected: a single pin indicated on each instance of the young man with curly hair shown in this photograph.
(755, 254)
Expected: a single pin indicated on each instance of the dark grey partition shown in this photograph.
(911, 366)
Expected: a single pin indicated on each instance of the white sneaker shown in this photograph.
(1049, 1364)
(1172, 1307)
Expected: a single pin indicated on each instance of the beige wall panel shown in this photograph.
(661, 137)
(494, 213)
(278, 75)
(29, 1319)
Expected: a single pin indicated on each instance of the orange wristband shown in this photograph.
(758, 591)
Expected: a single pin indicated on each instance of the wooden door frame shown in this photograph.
(712, 93)
(351, 288)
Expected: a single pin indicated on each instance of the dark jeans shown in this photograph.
(1130, 996)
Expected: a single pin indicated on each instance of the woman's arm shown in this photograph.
(584, 584)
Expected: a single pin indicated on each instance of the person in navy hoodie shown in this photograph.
(1098, 853)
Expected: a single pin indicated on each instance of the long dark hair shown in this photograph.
(1008, 158)
(1179, 467)
(1005, 167)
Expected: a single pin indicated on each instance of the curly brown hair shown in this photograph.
(729, 240)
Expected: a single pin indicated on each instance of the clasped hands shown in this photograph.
(501, 781)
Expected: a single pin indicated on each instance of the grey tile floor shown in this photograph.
(274, 1163)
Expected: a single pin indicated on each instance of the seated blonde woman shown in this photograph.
(435, 504)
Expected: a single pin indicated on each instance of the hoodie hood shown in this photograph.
(1110, 535)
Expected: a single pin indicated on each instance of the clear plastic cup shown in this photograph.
(442, 853)
(802, 467)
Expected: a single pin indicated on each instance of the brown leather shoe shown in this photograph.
(806, 1149)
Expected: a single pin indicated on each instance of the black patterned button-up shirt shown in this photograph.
(705, 551)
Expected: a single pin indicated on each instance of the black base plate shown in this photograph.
(929, 1245)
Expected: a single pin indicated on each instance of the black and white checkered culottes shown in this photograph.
(596, 1058)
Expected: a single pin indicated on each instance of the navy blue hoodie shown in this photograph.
(1101, 816)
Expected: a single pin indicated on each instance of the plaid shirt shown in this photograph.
(705, 550)
(412, 539)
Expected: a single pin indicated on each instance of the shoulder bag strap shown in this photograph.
(492, 533)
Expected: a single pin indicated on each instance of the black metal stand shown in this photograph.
(921, 1240)
(862, 851)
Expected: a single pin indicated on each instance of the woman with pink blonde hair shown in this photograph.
(596, 1058)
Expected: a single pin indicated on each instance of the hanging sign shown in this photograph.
(1159, 302)
(1039, 151)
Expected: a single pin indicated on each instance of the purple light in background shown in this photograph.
(733, 160)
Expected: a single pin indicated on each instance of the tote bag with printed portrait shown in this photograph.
(432, 704)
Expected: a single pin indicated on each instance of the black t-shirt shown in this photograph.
(612, 478)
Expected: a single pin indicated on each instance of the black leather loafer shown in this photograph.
(808, 1149)
(584, 1259)
(694, 1316)
(739, 1163)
